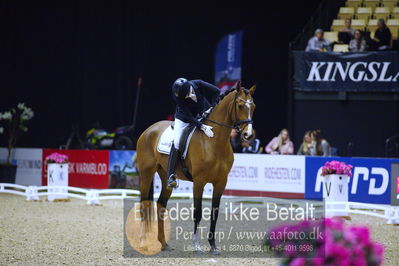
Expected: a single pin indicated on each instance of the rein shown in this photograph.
(236, 124)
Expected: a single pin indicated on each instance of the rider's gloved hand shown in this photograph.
(207, 130)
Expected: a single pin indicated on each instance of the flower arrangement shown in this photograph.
(336, 168)
(14, 124)
(56, 158)
(338, 244)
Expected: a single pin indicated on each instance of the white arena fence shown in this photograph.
(94, 196)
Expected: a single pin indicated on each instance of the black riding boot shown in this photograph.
(172, 167)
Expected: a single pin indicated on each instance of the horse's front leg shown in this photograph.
(218, 190)
(198, 190)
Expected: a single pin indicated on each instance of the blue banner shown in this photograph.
(370, 182)
(329, 71)
(228, 60)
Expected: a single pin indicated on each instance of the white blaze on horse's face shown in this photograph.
(247, 134)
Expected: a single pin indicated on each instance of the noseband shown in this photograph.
(236, 124)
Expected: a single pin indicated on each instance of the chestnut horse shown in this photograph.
(209, 160)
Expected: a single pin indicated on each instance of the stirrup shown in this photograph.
(172, 182)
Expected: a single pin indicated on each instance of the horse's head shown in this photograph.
(243, 110)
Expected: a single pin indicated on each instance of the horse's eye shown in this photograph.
(240, 106)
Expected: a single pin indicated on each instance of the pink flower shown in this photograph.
(298, 262)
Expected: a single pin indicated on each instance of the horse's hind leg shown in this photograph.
(161, 208)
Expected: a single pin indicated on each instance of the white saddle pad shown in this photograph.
(165, 142)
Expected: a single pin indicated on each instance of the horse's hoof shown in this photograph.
(166, 248)
(215, 251)
(198, 252)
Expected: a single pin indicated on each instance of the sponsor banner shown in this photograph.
(122, 173)
(87, 168)
(366, 71)
(395, 184)
(370, 182)
(29, 162)
(267, 175)
(228, 60)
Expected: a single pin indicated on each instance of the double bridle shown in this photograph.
(236, 124)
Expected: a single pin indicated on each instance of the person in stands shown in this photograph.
(252, 145)
(382, 37)
(357, 44)
(347, 33)
(306, 147)
(280, 144)
(235, 141)
(321, 145)
(318, 43)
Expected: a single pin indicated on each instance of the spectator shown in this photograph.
(235, 141)
(318, 43)
(280, 144)
(382, 37)
(347, 33)
(251, 146)
(358, 44)
(321, 146)
(306, 146)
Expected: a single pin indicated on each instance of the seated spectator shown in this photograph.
(358, 44)
(235, 141)
(382, 37)
(318, 43)
(280, 144)
(321, 146)
(347, 33)
(306, 146)
(251, 146)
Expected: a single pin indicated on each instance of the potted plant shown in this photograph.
(57, 175)
(333, 244)
(13, 125)
(336, 182)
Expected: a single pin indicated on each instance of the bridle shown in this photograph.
(236, 124)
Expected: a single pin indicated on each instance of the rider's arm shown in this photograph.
(188, 115)
(210, 91)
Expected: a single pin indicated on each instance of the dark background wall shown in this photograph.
(77, 62)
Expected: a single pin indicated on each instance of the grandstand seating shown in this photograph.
(372, 25)
(341, 48)
(346, 12)
(393, 25)
(382, 12)
(332, 36)
(364, 13)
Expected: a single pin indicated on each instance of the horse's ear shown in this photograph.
(252, 90)
(238, 85)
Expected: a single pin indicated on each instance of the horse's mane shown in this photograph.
(227, 92)
(223, 95)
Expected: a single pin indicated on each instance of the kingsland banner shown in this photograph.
(368, 71)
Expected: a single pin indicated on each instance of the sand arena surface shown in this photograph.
(38, 233)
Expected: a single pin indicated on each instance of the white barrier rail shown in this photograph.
(388, 212)
(93, 196)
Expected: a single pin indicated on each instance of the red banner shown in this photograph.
(87, 168)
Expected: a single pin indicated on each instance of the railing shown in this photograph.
(92, 196)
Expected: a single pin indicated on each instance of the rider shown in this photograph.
(192, 97)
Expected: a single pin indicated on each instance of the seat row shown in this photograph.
(367, 13)
(371, 25)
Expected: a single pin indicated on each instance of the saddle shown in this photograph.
(166, 141)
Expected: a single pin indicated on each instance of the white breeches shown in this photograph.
(178, 131)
